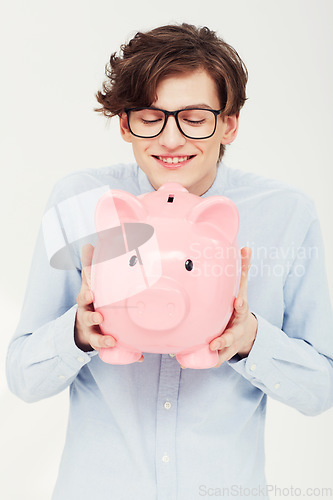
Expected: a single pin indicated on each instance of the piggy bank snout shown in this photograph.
(161, 307)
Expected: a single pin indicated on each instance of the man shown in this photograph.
(154, 429)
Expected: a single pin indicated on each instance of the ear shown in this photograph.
(230, 133)
(218, 212)
(124, 130)
(116, 207)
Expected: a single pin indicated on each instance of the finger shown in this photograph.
(86, 259)
(246, 253)
(85, 297)
(227, 354)
(241, 308)
(92, 318)
(225, 340)
(87, 253)
(246, 263)
(99, 341)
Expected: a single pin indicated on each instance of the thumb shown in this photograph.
(86, 258)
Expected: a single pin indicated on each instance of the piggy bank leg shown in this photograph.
(118, 356)
(200, 358)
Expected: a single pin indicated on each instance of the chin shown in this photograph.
(172, 176)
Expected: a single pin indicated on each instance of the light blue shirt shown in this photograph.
(152, 430)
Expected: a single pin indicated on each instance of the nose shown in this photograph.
(158, 308)
(171, 137)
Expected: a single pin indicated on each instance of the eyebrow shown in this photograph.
(201, 105)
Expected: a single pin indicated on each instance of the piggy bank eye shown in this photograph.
(133, 260)
(188, 265)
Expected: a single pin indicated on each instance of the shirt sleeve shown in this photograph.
(294, 364)
(42, 357)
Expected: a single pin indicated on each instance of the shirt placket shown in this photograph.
(166, 424)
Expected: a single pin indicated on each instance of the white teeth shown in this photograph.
(174, 160)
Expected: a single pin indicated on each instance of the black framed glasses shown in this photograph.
(193, 123)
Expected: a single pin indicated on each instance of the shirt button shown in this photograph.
(165, 459)
(167, 405)
(277, 386)
(61, 377)
(172, 355)
(79, 358)
(253, 367)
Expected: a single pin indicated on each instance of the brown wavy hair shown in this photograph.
(134, 74)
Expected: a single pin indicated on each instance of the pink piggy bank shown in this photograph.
(165, 273)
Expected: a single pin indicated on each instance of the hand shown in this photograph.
(87, 333)
(240, 333)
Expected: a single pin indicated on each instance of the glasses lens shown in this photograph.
(194, 123)
(197, 123)
(146, 122)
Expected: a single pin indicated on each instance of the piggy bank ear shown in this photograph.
(219, 212)
(116, 207)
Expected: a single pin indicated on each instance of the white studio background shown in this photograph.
(52, 63)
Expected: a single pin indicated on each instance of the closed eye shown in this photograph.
(150, 122)
(194, 122)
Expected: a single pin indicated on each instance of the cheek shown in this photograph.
(138, 150)
(212, 150)
(141, 147)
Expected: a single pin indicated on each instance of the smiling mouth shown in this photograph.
(174, 160)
